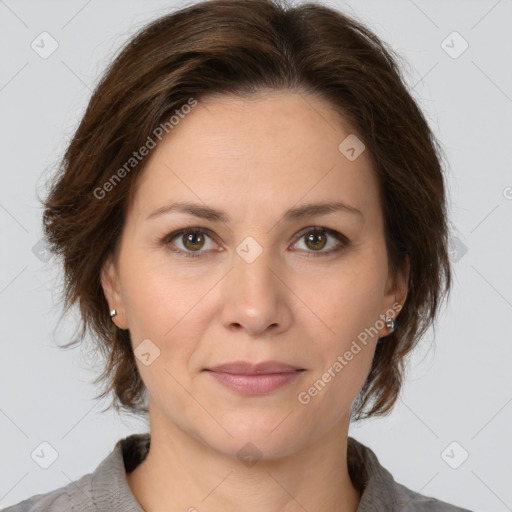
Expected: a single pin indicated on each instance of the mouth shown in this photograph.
(254, 379)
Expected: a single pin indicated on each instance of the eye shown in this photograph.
(193, 240)
(317, 238)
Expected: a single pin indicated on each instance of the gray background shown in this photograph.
(457, 390)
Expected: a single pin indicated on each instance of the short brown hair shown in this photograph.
(246, 48)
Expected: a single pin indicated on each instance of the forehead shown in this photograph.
(282, 147)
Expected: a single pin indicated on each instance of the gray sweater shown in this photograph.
(106, 489)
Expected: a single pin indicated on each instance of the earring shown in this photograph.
(113, 313)
(390, 323)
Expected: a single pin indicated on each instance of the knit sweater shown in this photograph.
(106, 488)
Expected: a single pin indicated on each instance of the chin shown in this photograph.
(257, 439)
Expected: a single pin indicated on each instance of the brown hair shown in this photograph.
(246, 48)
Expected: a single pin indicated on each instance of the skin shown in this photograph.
(254, 158)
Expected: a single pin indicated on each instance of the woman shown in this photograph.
(252, 219)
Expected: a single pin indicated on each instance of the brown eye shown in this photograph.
(316, 240)
(193, 240)
(189, 242)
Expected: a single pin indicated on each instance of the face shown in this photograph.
(251, 281)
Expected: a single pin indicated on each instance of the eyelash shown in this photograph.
(197, 254)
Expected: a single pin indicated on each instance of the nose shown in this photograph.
(255, 295)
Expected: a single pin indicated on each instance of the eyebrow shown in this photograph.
(293, 214)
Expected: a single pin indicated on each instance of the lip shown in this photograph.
(254, 379)
(248, 368)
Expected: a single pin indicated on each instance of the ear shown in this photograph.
(402, 282)
(112, 291)
(396, 292)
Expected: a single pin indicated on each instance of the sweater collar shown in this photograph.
(110, 489)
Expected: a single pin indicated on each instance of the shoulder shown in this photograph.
(76, 495)
(98, 490)
(413, 502)
(380, 491)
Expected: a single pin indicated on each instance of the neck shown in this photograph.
(182, 471)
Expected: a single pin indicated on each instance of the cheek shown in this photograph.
(330, 392)
(345, 354)
(154, 297)
(164, 308)
(349, 298)
(350, 302)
